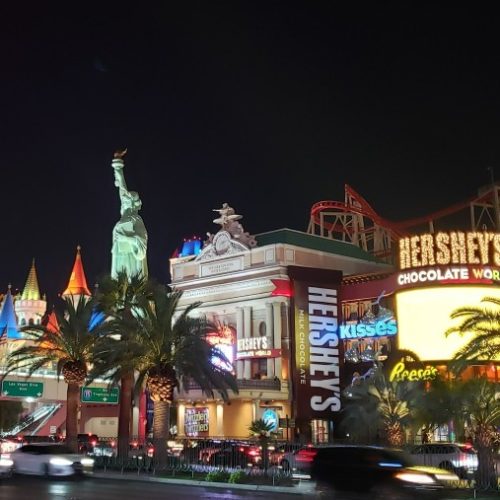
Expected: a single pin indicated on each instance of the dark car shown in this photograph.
(87, 442)
(377, 473)
(299, 461)
(236, 455)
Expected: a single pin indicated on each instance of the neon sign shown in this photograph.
(400, 373)
(196, 422)
(361, 330)
(454, 248)
(449, 275)
(270, 417)
(256, 347)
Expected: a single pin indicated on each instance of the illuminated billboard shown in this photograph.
(424, 315)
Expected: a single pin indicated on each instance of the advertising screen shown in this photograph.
(424, 315)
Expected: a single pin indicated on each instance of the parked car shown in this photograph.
(277, 453)
(299, 462)
(87, 442)
(50, 459)
(29, 439)
(376, 473)
(459, 458)
(104, 449)
(236, 455)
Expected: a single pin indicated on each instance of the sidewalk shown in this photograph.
(303, 488)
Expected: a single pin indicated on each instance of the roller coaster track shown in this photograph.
(356, 222)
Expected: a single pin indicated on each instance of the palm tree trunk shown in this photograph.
(73, 400)
(124, 418)
(161, 427)
(486, 478)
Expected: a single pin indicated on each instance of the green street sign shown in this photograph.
(99, 395)
(17, 389)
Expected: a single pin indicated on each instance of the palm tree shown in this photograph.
(377, 405)
(473, 403)
(482, 407)
(484, 323)
(120, 300)
(68, 342)
(167, 349)
(263, 431)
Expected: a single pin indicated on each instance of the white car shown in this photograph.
(50, 459)
(5, 466)
(459, 458)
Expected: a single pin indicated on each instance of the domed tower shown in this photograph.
(30, 307)
(77, 285)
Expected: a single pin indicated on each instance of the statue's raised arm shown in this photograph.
(118, 165)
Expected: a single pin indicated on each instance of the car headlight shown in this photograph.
(6, 462)
(87, 462)
(411, 477)
(447, 477)
(60, 461)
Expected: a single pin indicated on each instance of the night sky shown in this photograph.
(270, 106)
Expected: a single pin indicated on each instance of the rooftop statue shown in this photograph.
(227, 215)
(130, 238)
(228, 220)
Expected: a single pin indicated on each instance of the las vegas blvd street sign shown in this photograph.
(18, 389)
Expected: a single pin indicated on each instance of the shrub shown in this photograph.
(237, 476)
(217, 476)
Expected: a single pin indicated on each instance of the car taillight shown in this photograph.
(93, 443)
(305, 455)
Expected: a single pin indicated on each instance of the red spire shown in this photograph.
(77, 282)
(51, 323)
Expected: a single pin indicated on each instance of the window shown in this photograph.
(262, 328)
(259, 368)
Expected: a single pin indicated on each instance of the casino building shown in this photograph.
(302, 315)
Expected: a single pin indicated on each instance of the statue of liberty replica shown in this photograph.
(130, 238)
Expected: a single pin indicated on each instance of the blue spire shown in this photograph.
(8, 319)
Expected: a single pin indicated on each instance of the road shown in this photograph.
(34, 488)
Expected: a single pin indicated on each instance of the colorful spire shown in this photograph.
(77, 282)
(31, 290)
(51, 322)
(8, 321)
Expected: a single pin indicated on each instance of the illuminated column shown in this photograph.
(255, 408)
(270, 335)
(181, 408)
(247, 328)
(277, 336)
(135, 421)
(219, 426)
(239, 335)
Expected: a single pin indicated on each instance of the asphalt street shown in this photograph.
(35, 488)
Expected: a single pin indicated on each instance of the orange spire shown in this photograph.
(77, 282)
